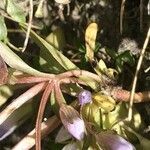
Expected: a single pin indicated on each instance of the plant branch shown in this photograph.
(20, 101)
(124, 95)
(136, 74)
(42, 106)
(29, 25)
(58, 94)
(31, 79)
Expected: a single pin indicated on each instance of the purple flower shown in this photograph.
(113, 141)
(84, 97)
(72, 121)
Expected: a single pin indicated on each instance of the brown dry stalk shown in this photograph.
(42, 106)
(136, 74)
(31, 79)
(124, 95)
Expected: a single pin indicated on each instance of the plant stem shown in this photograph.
(42, 106)
(32, 79)
(124, 95)
(58, 94)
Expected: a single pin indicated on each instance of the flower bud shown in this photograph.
(84, 97)
(111, 141)
(72, 121)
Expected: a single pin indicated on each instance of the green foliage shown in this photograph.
(15, 11)
(125, 57)
(3, 29)
(51, 59)
(121, 59)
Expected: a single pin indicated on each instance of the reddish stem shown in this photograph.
(42, 106)
(124, 95)
(32, 79)
(58, 94)
(72, 80)
(78, 73)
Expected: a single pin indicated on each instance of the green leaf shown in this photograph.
(95, 85)
(3, 29)
(57, 38)
(111, 53)
(15, 11)
(125, 57)
(16, 62)
(6, 91)
(54, 61)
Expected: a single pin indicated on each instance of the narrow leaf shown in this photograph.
(16, 62)
(3, 29)
(56, 61)
(90, 38)
(57, 39)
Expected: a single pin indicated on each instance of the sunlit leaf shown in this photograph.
(15, 11)
(101, 68)
(95, 85)
(57, 39)
(104, 101)
(16, 62)
(90, 38)
(39, 11)
(3, 29)
(92, 113)
(62, 1)
(72, 146)
(55, 61)
(6, 91)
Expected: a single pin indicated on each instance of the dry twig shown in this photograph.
(136, 74)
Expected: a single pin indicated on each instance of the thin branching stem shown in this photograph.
(58, 94)
(78, 73)
(136, 74)
(121, 15)
(124, 95)
(42, 106)
(29, 26)
(31, 79)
